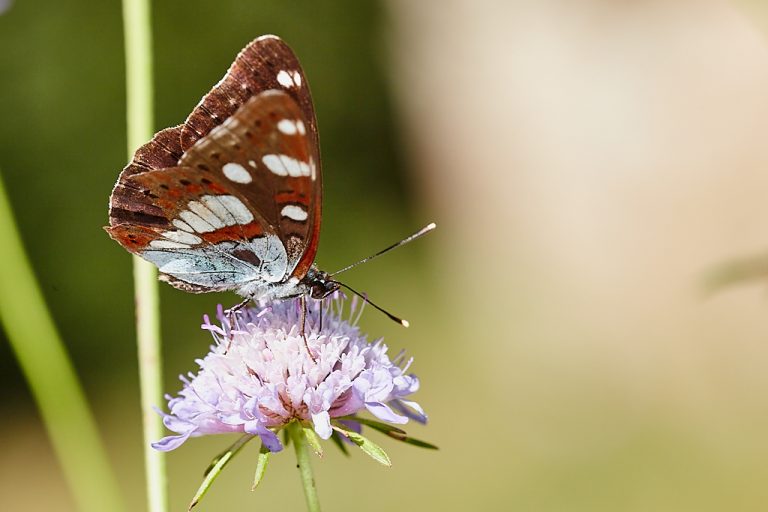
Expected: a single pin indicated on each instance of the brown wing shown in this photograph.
(127, 204)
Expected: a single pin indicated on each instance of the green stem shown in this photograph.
(305, 468)
(52, 379)
(138, 57)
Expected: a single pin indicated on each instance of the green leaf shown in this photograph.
(378, 425)
(394, 432)
(313, 440)
(216, 466)
(336, 438)
(375, 451)
(261, 466)
(417, 442)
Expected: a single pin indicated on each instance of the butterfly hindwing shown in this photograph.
(212, 238)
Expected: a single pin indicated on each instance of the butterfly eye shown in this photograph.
(323, 289)
(317, 291)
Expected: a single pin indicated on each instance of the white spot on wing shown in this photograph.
(301, 128)
(297, 78)
(284, 79)
(287, 126)
(183, 225)
(197, 223)
(237, 173)
(206, 214)
(182, 237)
(294, 212)
(216, 206)
(252, 163)
(167, 244)
(291, 165)
(284, 165)
(274, 164)
(239, 211)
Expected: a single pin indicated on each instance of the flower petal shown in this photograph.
(384, 413)
(322, 423)
(269, 438)
(410, 409)
(169, 443)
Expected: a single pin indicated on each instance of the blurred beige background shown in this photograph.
(588, 163)
(591, 162)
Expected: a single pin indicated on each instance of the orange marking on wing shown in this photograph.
(237, 232)
(134, 238)
(292, 197)
(218, 189)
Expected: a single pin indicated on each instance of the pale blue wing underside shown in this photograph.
(216, 266)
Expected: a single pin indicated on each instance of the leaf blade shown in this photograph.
(337, 440)
(216, 467)
(313, 440)
(370, 448)
(261, 466)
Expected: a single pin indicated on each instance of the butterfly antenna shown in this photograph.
(400, 321)
(423, 231)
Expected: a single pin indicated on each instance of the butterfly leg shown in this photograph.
(231, 312)
(304, 326)
(320, 328)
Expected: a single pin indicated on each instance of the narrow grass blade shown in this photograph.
(51, 376)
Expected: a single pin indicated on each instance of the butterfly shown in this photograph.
(231, 200)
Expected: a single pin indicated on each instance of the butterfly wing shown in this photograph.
(232, 198)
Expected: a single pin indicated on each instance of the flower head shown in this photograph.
(259, 377)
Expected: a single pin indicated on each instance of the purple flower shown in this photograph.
(258, 376)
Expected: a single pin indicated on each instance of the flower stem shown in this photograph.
(138, 57)
(305, 468)
(52, 379)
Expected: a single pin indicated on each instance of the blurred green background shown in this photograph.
(586, 162)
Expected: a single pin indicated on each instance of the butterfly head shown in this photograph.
(320, 283)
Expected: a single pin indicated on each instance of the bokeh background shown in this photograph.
(588, 163)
